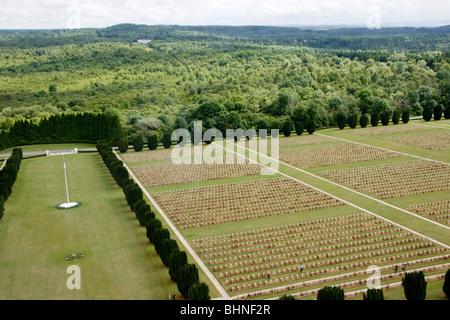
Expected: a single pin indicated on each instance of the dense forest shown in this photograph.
(228, 77)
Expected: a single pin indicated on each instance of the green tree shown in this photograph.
(447, 113)
(160, 235)
(437, 112)
(168, 246)
(138, 143)
(341, 119)
(299, 127)
(284, 104)
(235, 120)
(133, 193)
(446, 286)
(287, 127)
(335, 103)
(140, 208)
(366, 98)
(187, 277)
(287, 297)
(364, 120)
(300, 113)
(424, 93)
(199, 291)
(152, 140)
(330, 293)
(208, 109)
(396, 116)
(263, 124)
(122, 144)
(4, 190)
(414, 286)
(384, 117)
(379, 105)
(120, 174)
(152, 226)
(416, 108)
(177, 260)
(373, 294)
(180, 123)
(310, 126)
(405, 116)
(2, 206)
(374, 119)
(167, 139)
(353, 120)
(146, 217)
(52, 88)
(427, 113)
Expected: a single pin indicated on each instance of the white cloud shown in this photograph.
(102, 13)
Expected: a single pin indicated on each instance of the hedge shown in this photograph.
(8, 174)
(186, 275)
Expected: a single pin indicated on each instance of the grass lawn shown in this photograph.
(434, 292)
(35, 237)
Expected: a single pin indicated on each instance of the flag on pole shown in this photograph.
(65, 176)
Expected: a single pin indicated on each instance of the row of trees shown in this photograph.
(82, 127)
(152, 138)
(8, 176)
(184, 274)
(385, 117)
(286, 113)
(414, 288)
(434, 110)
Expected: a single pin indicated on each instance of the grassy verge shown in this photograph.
(35, 237)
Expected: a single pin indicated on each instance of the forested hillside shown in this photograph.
(229, 77)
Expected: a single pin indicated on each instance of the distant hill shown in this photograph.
(394, 38)
(271, 32)
(345, 38)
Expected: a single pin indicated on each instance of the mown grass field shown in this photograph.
(35, 236)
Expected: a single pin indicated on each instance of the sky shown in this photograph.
(73, 14)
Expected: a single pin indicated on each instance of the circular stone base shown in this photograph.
(69, 205)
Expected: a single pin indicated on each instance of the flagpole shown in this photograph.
(65, 176)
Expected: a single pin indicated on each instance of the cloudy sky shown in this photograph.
(44, 14)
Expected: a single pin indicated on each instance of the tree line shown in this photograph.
(8, 176)
(180, 271)
(66, 128)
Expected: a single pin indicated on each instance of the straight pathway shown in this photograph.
(39, 153)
